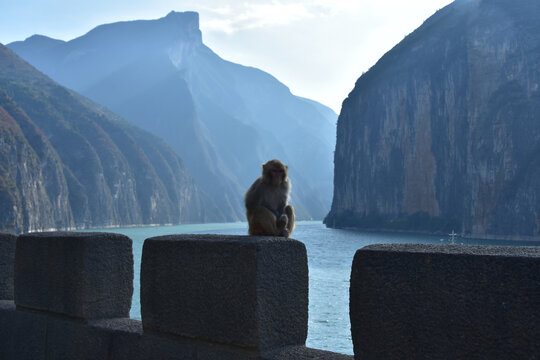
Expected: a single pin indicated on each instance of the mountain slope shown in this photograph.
(224, 119)
(443, 132)
(29, 172)
(66, 162)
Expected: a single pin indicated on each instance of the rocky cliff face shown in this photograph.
(29, 171)
(443, 132)
(65, 162)
(223, 119)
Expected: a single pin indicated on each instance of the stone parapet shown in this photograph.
(246, 291)
(245, 298)
(80, 275)
(445, 302)
(7, 259)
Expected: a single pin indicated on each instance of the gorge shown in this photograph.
(223, 119)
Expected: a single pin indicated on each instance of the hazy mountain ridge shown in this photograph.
(223, 119)
(66, 163)
(443, 132)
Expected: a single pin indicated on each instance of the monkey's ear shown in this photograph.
(286, 167)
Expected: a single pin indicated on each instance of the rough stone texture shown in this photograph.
(35, 336)
(66, 339)
(81, 275)
(27, 335)
(304, 353)
(208, 351)
(246, 291)
(445, 302)
(131, 343)
(443, 133)
(7, 261)
(22, 334)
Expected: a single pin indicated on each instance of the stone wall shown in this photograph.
(7, 257)
(239, 297)
(202, 297)
(445, 302)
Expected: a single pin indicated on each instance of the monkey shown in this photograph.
(267, 208)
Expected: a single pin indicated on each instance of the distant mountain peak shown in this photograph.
(184, 22)
(39, 38)
(175, 26)
(39, 42)
(190, 17)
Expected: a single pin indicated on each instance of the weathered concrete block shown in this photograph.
(131, 343)
(445, 302)
(82, 275)
(209, 351)
(246, 291)
(68, 339)
(7, 261)
(22, 334)
(304, 353)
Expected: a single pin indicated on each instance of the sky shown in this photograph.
(318, 48)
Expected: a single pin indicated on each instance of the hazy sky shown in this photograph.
(318, 48)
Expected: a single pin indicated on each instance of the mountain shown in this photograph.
(222, 118)
(443, 132)
(66, 162)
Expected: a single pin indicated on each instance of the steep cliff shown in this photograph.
(66, 162)
(222, 118)
(443, 132)
(33, 190)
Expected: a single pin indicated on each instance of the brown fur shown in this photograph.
(266, 200)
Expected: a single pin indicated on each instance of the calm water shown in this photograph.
(330, 255)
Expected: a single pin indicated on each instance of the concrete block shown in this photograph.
(68, 339)
(131, 343)
(7, 261)
(209, 351)
(305, 353)
(22, 334)
(245, 291)
(445, 302)
(81, 275)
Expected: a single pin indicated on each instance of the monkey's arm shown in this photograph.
(254, 194)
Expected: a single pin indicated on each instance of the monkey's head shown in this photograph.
(274, 172)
